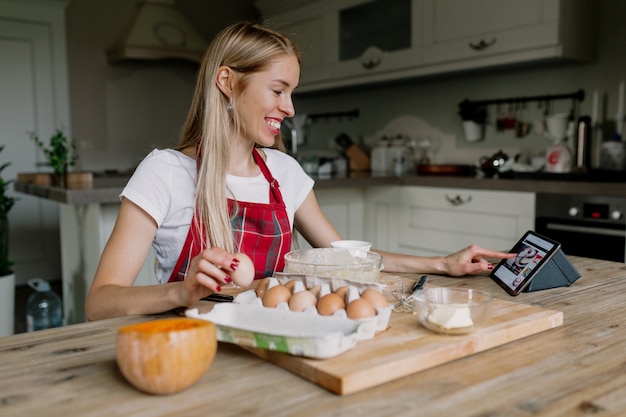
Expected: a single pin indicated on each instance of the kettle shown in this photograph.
(491, 165)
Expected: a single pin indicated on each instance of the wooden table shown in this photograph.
(578, 369)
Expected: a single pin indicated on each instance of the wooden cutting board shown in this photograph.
(406, 348)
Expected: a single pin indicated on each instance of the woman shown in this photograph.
(246, 195)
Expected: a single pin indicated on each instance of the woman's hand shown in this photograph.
(207, 273)
(471, 260)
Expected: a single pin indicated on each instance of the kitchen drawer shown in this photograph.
(438, 221)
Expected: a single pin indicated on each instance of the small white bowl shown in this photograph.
(355, 247)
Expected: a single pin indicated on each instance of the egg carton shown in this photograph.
(370, 326)
(297, 334)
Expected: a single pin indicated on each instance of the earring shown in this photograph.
(229, 106)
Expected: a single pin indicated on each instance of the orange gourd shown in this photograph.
(166, 356)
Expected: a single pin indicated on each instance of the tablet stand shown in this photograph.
(557, 272)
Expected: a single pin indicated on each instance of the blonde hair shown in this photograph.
(246, 48)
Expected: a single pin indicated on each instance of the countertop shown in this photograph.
(106, 189)
(573, 370)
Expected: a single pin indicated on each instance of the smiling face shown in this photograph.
(266, 100)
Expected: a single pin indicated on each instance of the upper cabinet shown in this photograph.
(491, 32)
(355, 42)
(370, 38)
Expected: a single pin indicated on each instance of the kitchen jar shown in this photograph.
(380, 158)
(400, 157)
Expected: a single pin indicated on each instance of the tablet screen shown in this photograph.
(532, 251)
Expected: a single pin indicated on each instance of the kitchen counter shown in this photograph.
(573, 370)
(107, 189)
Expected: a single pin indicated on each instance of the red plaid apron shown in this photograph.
(261, 231)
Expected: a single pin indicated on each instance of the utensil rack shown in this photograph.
(578, 96)
(350, 114)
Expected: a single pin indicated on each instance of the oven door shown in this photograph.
(585, 238)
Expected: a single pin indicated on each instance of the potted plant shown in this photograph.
(60, 153)
(7, 278)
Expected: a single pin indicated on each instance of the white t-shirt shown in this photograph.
(164, 185)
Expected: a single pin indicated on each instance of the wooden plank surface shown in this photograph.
(576, 369)
(406, 348)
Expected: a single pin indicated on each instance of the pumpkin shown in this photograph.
(166, 356)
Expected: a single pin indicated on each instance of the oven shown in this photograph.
(590, 226)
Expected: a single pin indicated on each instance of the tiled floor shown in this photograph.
(22, 292)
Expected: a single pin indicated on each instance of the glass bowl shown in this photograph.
(334, 263)
(452, 311)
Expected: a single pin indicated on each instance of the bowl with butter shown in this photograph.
(452, 311)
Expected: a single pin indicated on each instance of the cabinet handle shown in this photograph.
(372, 63)
(372, 57)
(482, 45)
(458, 200)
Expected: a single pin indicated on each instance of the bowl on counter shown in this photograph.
(334, 263)
(452, 311)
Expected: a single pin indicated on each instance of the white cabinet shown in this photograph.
(430, 221)
(310, 27)
(374, 37)
(347, 42)
(345, 208)
(353, 42)
(502, 31)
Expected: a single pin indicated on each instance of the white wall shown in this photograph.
(119, 112)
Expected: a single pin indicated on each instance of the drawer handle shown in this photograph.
(458, 200)
(482, 45)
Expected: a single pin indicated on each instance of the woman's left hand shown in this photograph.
(471, 260)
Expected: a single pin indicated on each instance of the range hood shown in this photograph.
(158, 31)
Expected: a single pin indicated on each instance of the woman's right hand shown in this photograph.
(207, 272)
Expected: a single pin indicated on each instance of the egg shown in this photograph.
(290, 284)
(244, 274)
(360, 309)
(261, 287)
(377, 299)
(343, 292)
(330, 303)
(276, 295)
(315, 290)
(301, 300)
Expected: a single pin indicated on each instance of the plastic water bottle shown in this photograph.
(43, 309)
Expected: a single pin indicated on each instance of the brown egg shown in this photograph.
(330, 303)
(290, 284)
(343, 292)
(261, 287)
(377, 299)
(360, 309)
(315, 290)
(301, 300)
(276, 295)
(244, 274)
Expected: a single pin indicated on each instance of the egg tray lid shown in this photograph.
(297, 334)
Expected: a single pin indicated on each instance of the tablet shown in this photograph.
(532, 252)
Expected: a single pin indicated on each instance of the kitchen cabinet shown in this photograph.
(345, 208)
(310, 26)
(430, 221)
(347, 42)
(488, 32)
(364, 46)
